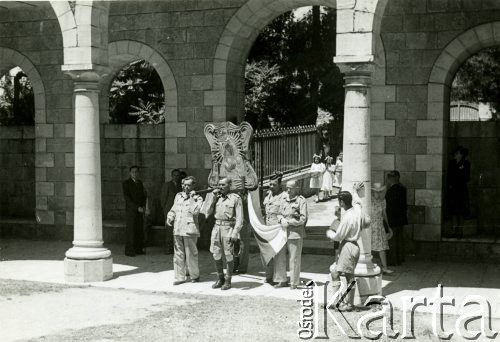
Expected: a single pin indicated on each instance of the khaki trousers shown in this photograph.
(294, 248)
(185, 254)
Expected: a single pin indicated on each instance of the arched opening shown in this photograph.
(472, 187)
(136, 95)
(134, 136)
(17, 100)
(17, 167)
(292, 82)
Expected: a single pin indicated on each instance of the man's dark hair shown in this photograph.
(133, 167)
(346, 197)
(174, 170)
(394, 174)
(277, 175)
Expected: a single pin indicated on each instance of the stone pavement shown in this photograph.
(42, 261)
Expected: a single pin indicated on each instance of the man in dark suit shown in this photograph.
(168, 192)
(397, 218)
(135, 202)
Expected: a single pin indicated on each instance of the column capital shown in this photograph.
(94, 75)
(355, 69)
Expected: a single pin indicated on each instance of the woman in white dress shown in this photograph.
(328, 178)
(378, 216)
(317, 171)
(338, 171)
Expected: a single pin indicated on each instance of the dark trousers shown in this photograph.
(396, 253)
(169, 239)
(134, 233)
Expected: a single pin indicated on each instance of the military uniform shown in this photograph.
(294, 211)
(184, 213)
(272, 206)
(228, 214)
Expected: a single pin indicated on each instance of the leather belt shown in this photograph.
(225, 222)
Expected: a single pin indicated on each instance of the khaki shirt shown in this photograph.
(229, 208)
(272, 205)
(294, 210)
(185, 212)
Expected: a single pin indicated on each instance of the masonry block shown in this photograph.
(405, 162)
(44, 130)
(428, 198)
(44, 160)
(430, 128)
(175, 161)
(416, 145)
(395, 145)
(84, 271)
(45, 217)
(383, 128)
(377, 145)
(383, 93)
(429, 162)
(381, 162)
(175, 129)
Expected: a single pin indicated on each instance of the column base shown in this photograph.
(368, 283)
(86, 271)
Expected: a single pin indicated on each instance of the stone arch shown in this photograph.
(121, 53)
(446, 65)
(11, 58)
(434, 127)
(85, 32)
(377, 22)
(227, 94)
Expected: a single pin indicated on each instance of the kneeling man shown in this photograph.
(184, 217)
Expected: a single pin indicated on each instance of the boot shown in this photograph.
(236, 265)
(227, 284)
(220, 273)
(229, 274)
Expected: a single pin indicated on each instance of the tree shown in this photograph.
(261, 79)
(303, 50)
(17, 100)
(136, 94)
(478, 79)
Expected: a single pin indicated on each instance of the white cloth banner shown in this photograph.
(275, 235)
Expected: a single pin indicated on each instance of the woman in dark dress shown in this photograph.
(458, 193)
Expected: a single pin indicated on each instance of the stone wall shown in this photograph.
(185, 34)
(17, 172)
(411, 120)
(32, 39)
(121, 147)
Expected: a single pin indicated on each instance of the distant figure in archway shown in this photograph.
(458, 193)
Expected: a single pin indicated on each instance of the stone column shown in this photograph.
(357, 166)
(87, 260)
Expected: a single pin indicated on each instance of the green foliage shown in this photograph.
(261, 80)
(17, 100)
(307, 78)
(478, 79)
(136, 95)
(149, 113)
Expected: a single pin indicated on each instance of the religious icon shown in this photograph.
(229, 145)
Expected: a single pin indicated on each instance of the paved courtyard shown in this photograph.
(42, 261)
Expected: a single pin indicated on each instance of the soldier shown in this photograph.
(168, 192)
(294, 216)
(272, 204)
(184, 213)
(228, 211)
